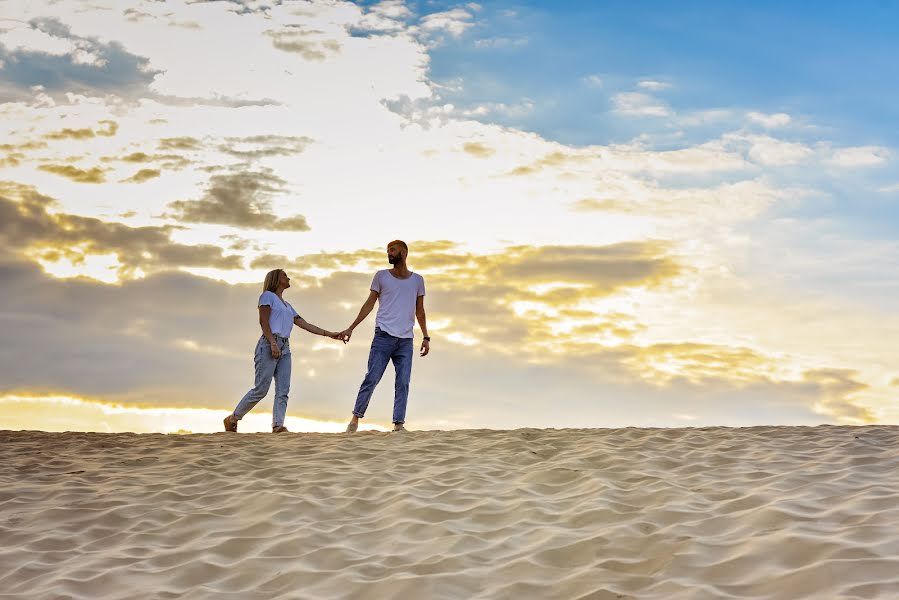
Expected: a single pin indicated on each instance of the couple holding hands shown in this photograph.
(400, 296)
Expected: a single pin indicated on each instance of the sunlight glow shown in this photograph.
(69, 413)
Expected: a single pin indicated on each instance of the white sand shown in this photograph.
(766, 512)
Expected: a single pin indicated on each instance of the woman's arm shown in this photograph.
(303, 324)
(264, 313)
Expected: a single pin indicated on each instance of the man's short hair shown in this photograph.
(399, 243)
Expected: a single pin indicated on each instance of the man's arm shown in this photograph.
(423, 323)
(367, 306)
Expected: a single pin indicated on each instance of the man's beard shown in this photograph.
(392, 259)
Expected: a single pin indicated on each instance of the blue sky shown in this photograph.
(831, 63)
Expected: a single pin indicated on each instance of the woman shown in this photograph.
(276, 317)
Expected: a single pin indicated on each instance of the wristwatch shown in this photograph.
(427, 338)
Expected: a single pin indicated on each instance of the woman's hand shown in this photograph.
(276, 351)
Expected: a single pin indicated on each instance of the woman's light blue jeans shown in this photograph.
(268, 368)
(385, 348)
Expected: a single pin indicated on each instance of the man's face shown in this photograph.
(394, 254)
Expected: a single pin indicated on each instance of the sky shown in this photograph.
(627, 214)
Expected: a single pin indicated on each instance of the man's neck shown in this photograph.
(400, 270)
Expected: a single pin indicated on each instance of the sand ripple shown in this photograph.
(764, 512)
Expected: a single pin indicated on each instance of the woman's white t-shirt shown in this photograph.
(282, 316)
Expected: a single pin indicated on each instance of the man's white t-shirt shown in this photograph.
(281, 318)
(396, 302)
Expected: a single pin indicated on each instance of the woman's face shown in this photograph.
(283, 280)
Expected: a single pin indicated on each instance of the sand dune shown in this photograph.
(764, 512)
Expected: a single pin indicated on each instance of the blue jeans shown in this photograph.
(266, 369)
(385, 348)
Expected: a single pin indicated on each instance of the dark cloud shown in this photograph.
(26, 225)
(91, 68)
(126, 343)
(112, 70)
(182, 329)
(240, 200)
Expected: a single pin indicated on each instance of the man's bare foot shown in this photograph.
(353, 426)
(399, 427)
(230, 423)
(279, 429)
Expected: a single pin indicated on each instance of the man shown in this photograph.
(400, 294)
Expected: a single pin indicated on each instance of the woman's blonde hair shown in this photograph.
(271, 280)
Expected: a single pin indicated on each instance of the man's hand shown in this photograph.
(276, 352)
(425, 347)
(337, 335)
(345, 335)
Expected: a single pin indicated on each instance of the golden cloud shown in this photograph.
(92, 175)
(109, 129)
(478, 149)
(143, 175)
(180, 143)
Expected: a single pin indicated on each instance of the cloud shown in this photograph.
(455, 22)
(635, 104)
(594, 81)
(180, 143)
(311, 44)
(835, 389)
(386, 16)
(110, 128)
(432, 112)
(889, 189)
(143, 175)
(501, 42)
(769, 121)
(61, 63)
(652, 85)
(15, 154)
(92, 175)
(262, 146)
(478, 149)
(714, 116)
(859, 156)
(240, 200)
(772, 152)
(27, 227)
(101, 330)
(727, 201)
(509, 292)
